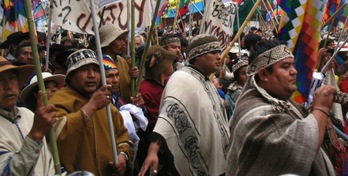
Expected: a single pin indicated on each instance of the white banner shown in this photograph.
(75, 15)
(103, 3)
(218, 20)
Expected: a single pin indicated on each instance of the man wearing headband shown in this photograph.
(192, 128)
(171, 42)
(270, 134)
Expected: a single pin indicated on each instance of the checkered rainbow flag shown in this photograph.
(300, 27)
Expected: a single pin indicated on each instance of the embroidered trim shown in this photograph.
(268, 58)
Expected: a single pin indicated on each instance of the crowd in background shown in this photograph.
(157, 120)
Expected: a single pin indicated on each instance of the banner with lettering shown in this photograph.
(218, 20)
(75, 15)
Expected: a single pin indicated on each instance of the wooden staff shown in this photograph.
(143, 58)
(40, 81)
(246, 21)
(275, 23)
(48, 37)
(133, 46)
(176, 15)
(276, 18)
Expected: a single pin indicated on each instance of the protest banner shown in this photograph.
(219, 19)
(75, 15)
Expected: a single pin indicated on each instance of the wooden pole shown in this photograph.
(40, 81)
(176, 15)
(133, 80)
(276, 18)
(246, 21)
(143, 58)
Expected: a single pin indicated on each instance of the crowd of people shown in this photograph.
(195, 113)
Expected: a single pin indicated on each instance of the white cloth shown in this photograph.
(137, 112)
(128, 123)
(20, 155)
(132, 126)
(194, 124)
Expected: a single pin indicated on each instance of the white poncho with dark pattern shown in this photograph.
(194, 124)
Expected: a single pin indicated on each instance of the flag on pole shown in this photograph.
(183, 8)
(300, 27)
(274, 13)
(330, 8)
(244, 7)
(14, 18)
(39, 11)
(163, 9)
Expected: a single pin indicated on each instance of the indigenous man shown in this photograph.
(23, 148)
(171, 42)
(113, 43)
(270, 134)
(83, 137)
(192, 127)
(24, 54)
(158, 67)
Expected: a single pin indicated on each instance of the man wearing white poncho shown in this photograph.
(192, 130)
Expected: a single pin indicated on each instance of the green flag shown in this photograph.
(243, 9)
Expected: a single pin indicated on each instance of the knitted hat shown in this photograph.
(239, 65)
(109, 33)
(108, 62)
(80, 58)
(202, 44)
(158, 59)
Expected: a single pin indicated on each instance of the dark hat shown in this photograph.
(158, 59)
(253, 28)
(140, 51)
(56, 48)
(62, 56)
(41, 36)
(25, 71)
(14, 38)
(202, 44)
